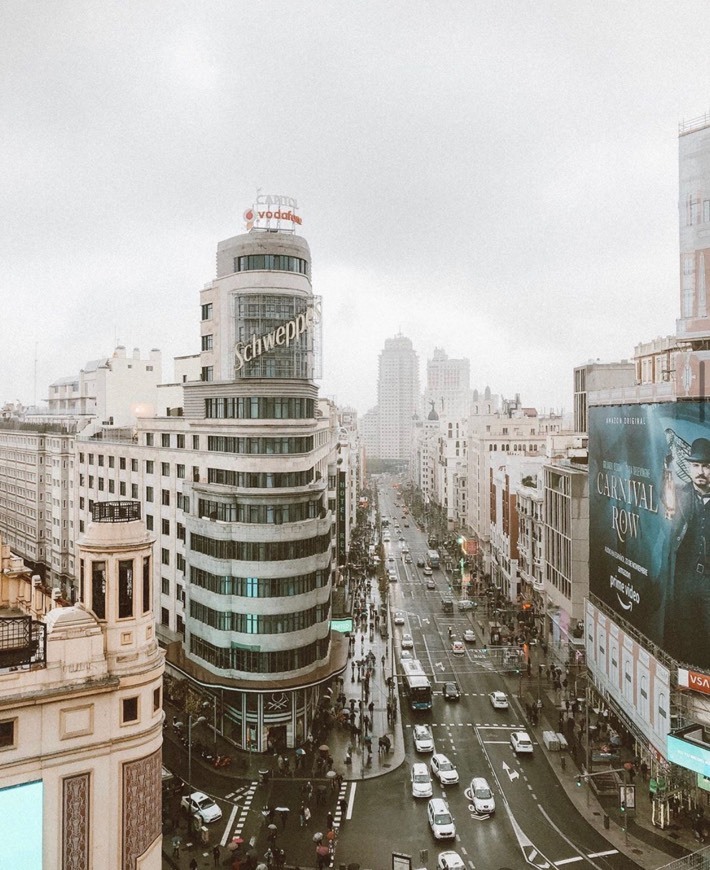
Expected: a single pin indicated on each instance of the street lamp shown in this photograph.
(190, 723)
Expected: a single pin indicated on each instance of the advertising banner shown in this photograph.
(649, 505)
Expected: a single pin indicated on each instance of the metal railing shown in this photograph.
(699, 860)
(23, 642)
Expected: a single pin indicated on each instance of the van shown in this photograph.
(440, 820)
(447, 604)
(421, 781)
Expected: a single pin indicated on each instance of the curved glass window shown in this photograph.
(259, 623)
(260, 551)
(259, 479)
(257, 587)
(253, 662)
(276, 514)
(271, 262)
(260, 408)
(261, 446)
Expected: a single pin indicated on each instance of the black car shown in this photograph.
(420, 563)
(451, 692)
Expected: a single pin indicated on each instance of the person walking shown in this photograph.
(193, 864)
(176, 846)
(216, 855)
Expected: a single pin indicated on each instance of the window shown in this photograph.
(180, 471)
(149, 439)
(125, 588)
(166, 527)
(165, 497)
(149, 466)
(98, 589)
(146, 584)
(165, 616)
(129, 712)
(91, 458)
(180, 562)
(207, 342)
(180, 531)
(195, 442)
(165, 585)
(91, 481)
(149, 522)
(156, 700)
(165, 439)
(111, 486)
(165, 469)
(121, 488)
(134, 465)
(111, 462)
(207, 373)
(207, 311)
(81, 502)
(101, 484)
(100, 457)
(81, 457)
(122, 463)
(149, 493)
(134, 491)
(180, 441)
(7, 733)
(165, 556)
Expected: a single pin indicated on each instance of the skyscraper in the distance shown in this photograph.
(448, 385)
(397, 397)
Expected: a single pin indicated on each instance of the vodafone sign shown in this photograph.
(270, 209)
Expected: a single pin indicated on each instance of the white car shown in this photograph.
(198, 803)
(443, 769)
(457, 648)
(469, 635)
(423, 739)
(499, 700)
(450, 861)
(399, 618)
(407, 641)
(481, 796)
(521, 743)
(427, 572)
(465, 604)
(440, 820)
(405, 654)
(421, 781)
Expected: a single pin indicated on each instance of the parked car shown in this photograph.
(399, 618)
(480, 795)
(430, 584)
(499, 700)
(405, 654)
(198, 803)
(423, 739)
(465, 604)
(440, 820)
(421, 780)
(407, 641)
(521, 743)
(469, 635)
(451, 691)
(457, 648)
(420, 563)
(443, 769)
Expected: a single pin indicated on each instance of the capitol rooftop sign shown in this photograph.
(272, 212)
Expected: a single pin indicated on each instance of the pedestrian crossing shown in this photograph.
(245, 793)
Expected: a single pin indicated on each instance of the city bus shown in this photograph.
(432, 558)
(416, 685)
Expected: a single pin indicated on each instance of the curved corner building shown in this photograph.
(259, 532)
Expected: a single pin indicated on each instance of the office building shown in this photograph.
(397, 398)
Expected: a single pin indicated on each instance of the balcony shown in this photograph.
(22, 642)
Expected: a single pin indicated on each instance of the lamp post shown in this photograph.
(190, 723)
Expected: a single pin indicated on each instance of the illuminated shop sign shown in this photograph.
(282, 336)
(692, 680)
(270, 210)
(686, 749)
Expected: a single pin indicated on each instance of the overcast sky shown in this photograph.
(499, 179)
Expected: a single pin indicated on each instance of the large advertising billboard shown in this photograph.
(649, 506)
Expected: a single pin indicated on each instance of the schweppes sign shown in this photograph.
(282, 336)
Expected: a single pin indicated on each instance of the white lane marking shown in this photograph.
(569, 842)
(225, 835)
(603, 854)
(568, 861)
(351, 801)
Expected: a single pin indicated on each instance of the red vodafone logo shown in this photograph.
(249, 217)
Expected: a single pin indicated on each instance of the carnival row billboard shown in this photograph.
(649, 505)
